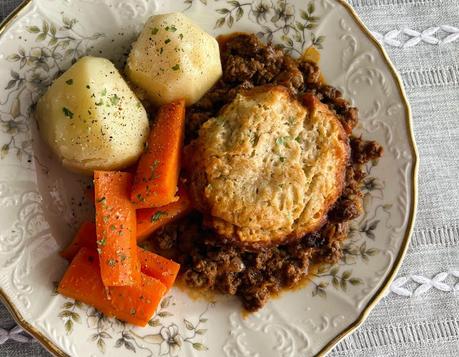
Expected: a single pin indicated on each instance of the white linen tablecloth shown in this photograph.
(420, 314)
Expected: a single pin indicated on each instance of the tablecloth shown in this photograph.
(420, 314)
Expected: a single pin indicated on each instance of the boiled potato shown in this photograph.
(91, 119)
(173, 58)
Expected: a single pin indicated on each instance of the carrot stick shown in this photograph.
(137, 304)
(155, 182)
(82, 281)
(134, 304)
(116, 229)
(150, 219)
(85, 237)
(154, 265)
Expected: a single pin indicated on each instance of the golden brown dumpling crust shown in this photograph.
(267, 169)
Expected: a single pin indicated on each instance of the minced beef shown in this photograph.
(254, 276)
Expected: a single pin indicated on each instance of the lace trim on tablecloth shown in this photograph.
(423, 284)
(432, 77)
(376, 3)
(406, 37)
(15, 334)
(393, 334)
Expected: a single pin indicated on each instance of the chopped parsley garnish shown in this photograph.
(157, 216)
(67, 112)
(171, 28)
(181, 36)
(298, 139)
(153, 169)
(176, 67)
(282, 139)
(161, 50)
(112, 227)
(140, 198)
(102, 241)
(101, 102)
(132, 311)
(282, 159)
(104, 92)
(123, 257)
(111, 262)
(69, 82)
(114, 99)
(167, 41)
(87, 86)
(101, 200)
(154, 31)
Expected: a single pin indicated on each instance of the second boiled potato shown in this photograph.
(173, 58)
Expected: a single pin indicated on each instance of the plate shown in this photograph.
(41, 204)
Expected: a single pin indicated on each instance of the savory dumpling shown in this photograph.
(267, 169)
(173, 58)
(91, 119)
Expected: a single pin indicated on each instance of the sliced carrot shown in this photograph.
(150, 219)
(138, 303)
(134, 304)
(116, 229)
(158, 267)
(154, 265)
(85, 237)
(82, 281)
(155, 182)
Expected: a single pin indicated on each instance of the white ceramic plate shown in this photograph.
(41, 204)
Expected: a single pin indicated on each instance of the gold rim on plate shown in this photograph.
(53, 348)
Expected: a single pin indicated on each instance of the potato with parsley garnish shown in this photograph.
(91, 119)
(173, 58)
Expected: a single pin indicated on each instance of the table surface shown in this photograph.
(420, 314)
